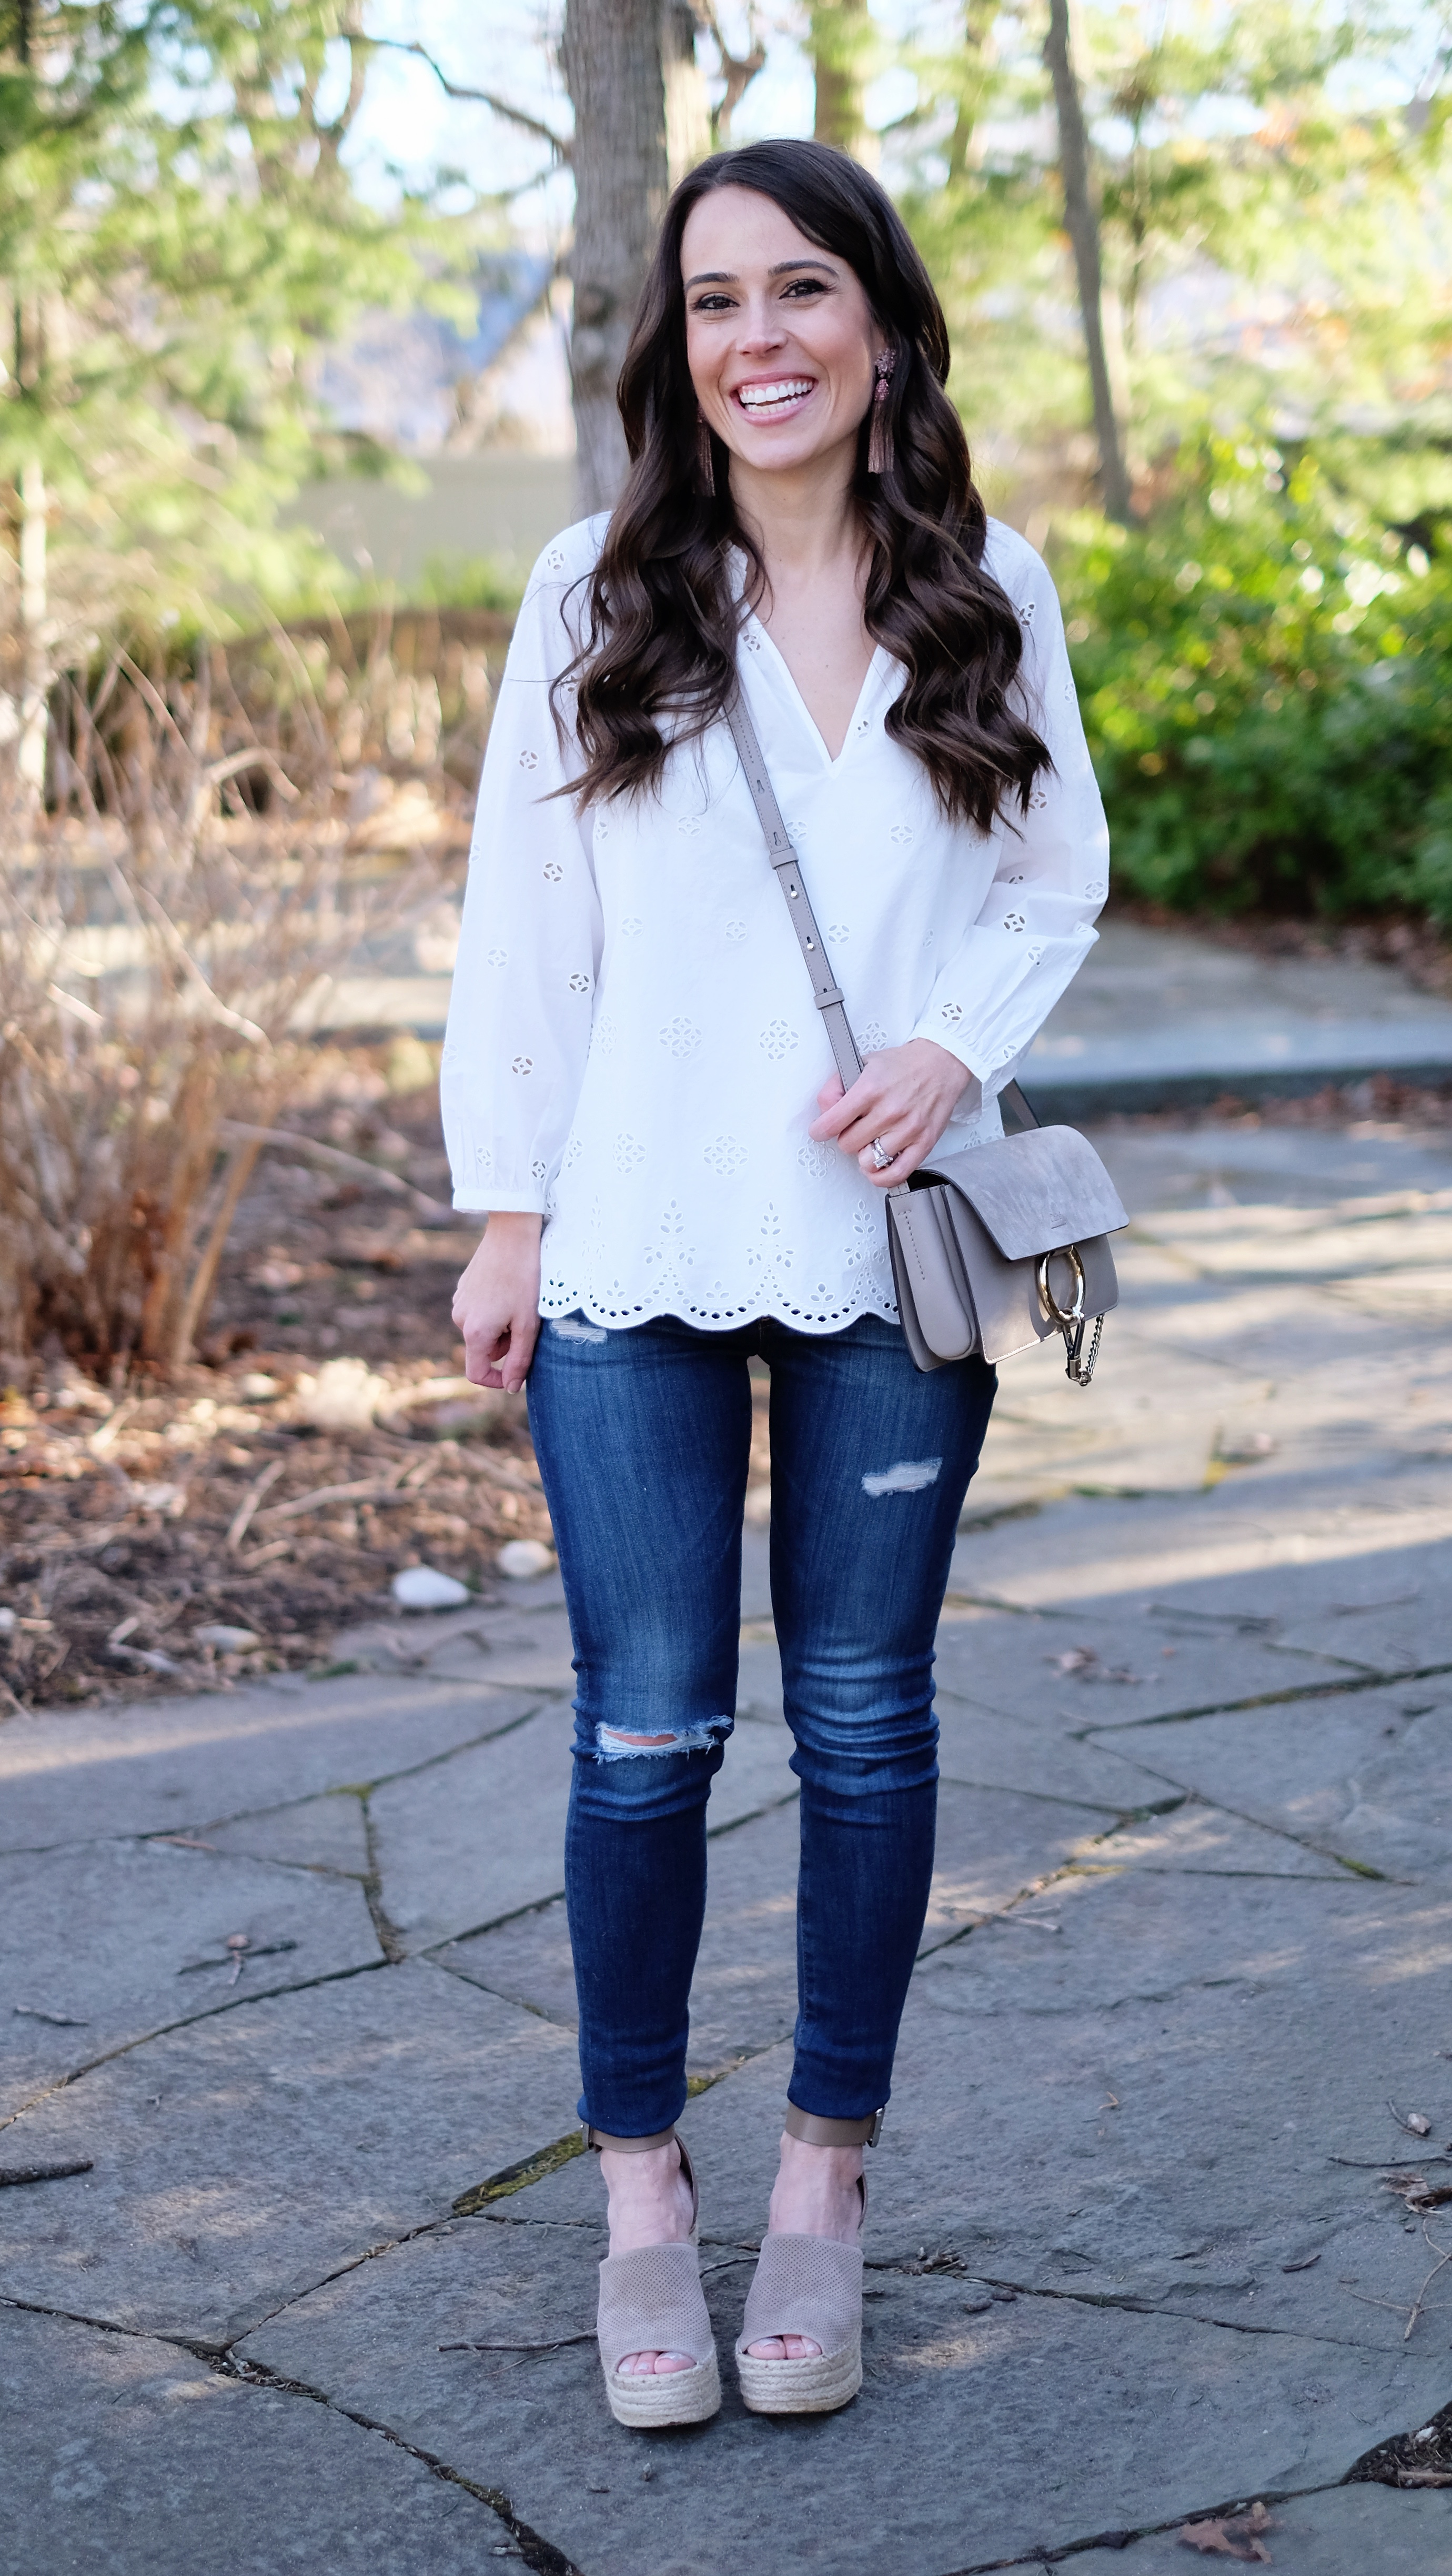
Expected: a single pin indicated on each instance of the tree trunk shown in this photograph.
(612, 64)
(687, 107)
(1081, 222)
(34, 607)
(841, 35)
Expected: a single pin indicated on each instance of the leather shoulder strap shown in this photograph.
(826, 992)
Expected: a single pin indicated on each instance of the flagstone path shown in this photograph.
(1176, 2069)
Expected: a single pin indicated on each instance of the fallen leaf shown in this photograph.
(1302, 2263)
(1087, 1666)
(1235, 2536)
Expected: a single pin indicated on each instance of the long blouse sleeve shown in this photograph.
(519, 1020)
(1034, 927)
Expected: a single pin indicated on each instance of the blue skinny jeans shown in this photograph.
(642, 1437)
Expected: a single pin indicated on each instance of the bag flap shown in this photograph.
(1034, 1191)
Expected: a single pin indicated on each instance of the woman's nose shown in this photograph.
(760, 329)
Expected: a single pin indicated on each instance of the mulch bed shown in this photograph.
(123, 1515)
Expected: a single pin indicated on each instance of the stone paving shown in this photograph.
(1158, 1016)
(325, 2295)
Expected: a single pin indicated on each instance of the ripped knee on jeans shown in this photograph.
(700, 1735)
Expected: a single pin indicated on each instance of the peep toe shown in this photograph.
(651, 2301)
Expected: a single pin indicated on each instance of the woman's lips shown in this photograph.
(777, 398)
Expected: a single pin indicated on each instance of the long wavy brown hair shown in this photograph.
(661, 623)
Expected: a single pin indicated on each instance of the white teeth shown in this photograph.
(763, 397)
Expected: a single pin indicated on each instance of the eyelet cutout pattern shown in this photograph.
(537, 1170)
(521, 1064)
(529, 760)
(734, 930)
(1015, 921)
(902, 833)
(552, 872)
(952, 1012)
(631, 926)
(578, 983)
(837, 931)
(498, 957)
(724, 1156)
(680, 1036)
(778, 1039)
(629, 1154)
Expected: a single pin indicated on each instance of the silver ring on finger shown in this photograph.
(881, 1154)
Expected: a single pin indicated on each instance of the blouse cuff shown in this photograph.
(500, 1203)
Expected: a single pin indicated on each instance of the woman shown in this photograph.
(638, 1090)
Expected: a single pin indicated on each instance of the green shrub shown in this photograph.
(1265, 676)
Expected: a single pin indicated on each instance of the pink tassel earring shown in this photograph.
(705, 457)
(879, 436)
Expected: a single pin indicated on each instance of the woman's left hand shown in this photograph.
(904, 1097)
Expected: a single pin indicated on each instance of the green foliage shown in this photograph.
(180, 237)
(470, 581)
(1274, 216)
(1264, 671)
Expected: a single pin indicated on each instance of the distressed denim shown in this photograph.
(642, 1437)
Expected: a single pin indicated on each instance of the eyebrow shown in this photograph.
(783, 268)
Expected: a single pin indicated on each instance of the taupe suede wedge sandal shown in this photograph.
(651, 2301)
(808, 2285)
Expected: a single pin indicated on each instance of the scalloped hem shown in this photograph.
(556, 1302)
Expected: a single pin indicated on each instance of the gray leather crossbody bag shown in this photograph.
(997, 1246)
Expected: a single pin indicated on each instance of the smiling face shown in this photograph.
(779, 337)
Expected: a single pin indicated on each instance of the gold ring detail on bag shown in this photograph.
(1063, 1316)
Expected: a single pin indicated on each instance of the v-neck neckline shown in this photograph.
(832, 759)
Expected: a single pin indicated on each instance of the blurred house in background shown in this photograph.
(482, 422)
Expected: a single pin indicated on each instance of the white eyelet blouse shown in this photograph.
(633, 1048)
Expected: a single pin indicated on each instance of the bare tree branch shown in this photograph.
(737, 70)
(480, 97)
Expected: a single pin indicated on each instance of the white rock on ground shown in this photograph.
(422, 1587)
(522, 1559)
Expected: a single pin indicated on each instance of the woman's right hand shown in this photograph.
(496, 1303)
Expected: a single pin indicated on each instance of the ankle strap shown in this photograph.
(595, 2139)
(816, 2132)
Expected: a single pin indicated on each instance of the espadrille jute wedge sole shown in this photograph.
(804, 2285)
(651, 2301)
